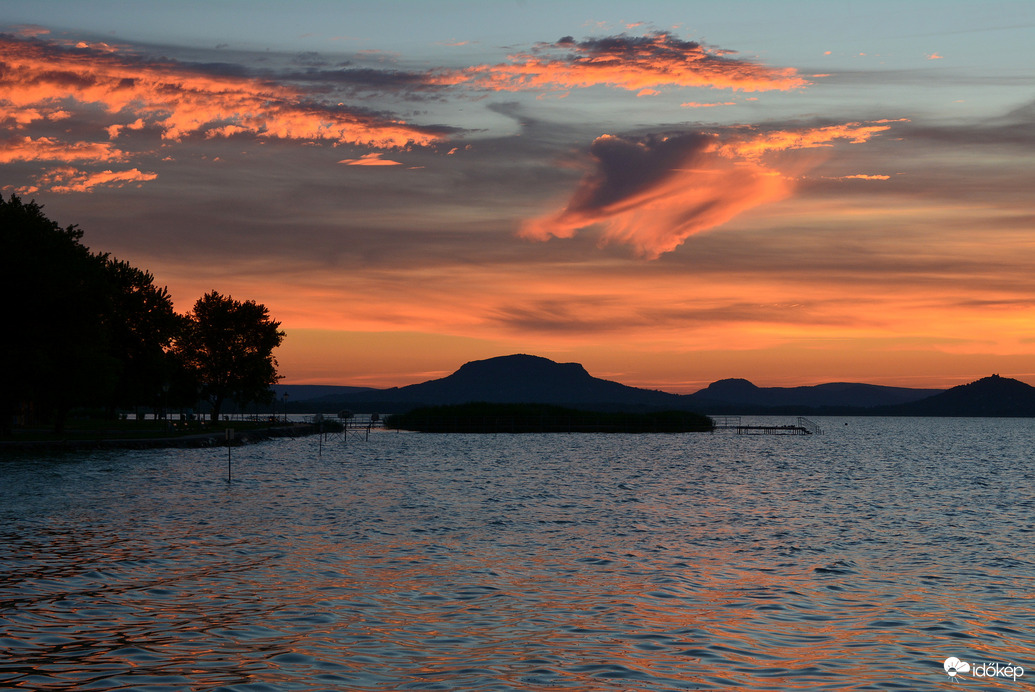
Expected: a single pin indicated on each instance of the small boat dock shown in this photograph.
(804, 426)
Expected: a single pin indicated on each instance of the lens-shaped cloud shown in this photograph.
(371, 159)
(655, 192)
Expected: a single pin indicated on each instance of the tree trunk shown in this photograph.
(217, 406)
(60, 416)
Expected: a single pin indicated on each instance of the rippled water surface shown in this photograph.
(855, 560)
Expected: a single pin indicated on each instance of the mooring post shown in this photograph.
(229, 439)
(318, 422)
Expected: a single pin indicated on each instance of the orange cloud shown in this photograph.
(655, 193)
(635, 63)
(863, 176)
(18, 118)
(67, 179)
(755, 145)
(180, 101)
(371, 159)
(48, 149)
(694, 104)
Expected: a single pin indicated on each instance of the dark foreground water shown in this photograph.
(861, 559)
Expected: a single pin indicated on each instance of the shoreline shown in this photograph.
(215, 438)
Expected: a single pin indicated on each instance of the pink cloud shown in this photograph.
(49, 149)
(656, 192)
(179, 101)
(68, 179)
(862, 176)
(372, 159)
(635, 63)
(695, 104)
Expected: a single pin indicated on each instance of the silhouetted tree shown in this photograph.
(56, 350)
(141, 323)
(228, 346)
(91, 330)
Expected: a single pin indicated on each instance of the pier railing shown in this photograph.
(811, 426)
(804, 426)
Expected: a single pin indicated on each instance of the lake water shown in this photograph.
(860, 559)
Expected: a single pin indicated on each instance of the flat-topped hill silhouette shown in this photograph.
(521, 378)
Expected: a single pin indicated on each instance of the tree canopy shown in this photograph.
(57, 345)
(90, 330)
(141, 343)
(228, 345)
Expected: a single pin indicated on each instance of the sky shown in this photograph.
(670, 193)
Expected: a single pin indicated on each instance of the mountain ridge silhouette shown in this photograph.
(523, 378)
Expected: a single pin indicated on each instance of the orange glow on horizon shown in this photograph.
(822, 230)
(671, 332)
(395, 359)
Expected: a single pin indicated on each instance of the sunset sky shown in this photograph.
(669, 193)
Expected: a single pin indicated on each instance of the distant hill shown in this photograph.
(742, 393)
(990, 396)
(527, 379)
(307, 392)
(518, 379)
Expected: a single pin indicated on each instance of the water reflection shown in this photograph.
(855, 560)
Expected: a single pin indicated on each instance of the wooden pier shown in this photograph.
(804, 426)
(338, 428)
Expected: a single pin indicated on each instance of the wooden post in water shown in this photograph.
(229, 439)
